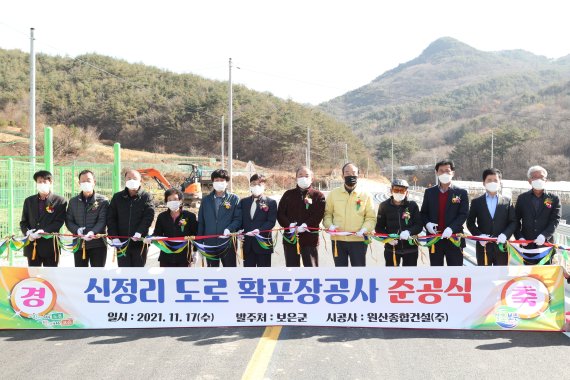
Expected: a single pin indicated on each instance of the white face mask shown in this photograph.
(133, 184)
(304, 182)
(399, 197)
(492, 187)
(43, 188)
(538, 184)
(173, 205)
(86, 187)
(256, 190)
(445, 178)
(220, 185)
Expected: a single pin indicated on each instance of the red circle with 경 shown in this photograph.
(527, 294)
(33, 296)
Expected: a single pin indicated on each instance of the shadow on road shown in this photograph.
(508, 339)
(213, 336)
(197, 336)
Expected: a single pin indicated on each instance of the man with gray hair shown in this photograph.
(300, 210)
(537, 214)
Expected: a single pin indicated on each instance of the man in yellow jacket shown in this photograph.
(348, 209)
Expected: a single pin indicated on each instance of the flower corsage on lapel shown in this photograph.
(50, 208)
(406, 216)
(308, 201)
(548, 202)
(182, 223)
(226, 204)
(456, 199)
(263, 205)
(94, 206)
(358, 204)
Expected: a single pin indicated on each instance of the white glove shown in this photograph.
(393, 242)
(80, 231)
(36, 235)
(483, 242)
(29, 234)
(89, 236)
(431, 228)
(137, 236)
(226, 234)
(361, 232)
(404, 235)
(116, 243)
(302, 228)
(332, 228)
(252, 233)
(501, 239)
(292, 227)
(447, 233)
(540, 239)
(147, 240)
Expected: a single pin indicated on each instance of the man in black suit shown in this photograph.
(43, 213)
(259, 213)
(491, 215)
(444, 210)
(537, 213)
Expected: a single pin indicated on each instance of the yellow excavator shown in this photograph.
(191, 187)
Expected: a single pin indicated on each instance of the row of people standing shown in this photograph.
(128, 217)
(445, 209)
(89, 215)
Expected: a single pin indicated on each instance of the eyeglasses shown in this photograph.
(399, 190)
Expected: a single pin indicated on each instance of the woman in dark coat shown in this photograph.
(175, 222)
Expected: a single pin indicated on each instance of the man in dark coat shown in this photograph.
(398, 215)
(300, 209)
(491, 215)
(130, 215)
(444, 210)
(43, 213)
(258, 214)
(537, 213)
(87, 217)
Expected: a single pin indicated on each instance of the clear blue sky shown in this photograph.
(309, 51)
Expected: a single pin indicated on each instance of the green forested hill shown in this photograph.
(151, 109)
(447, 101)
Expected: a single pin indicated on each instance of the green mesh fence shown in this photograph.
(16, 184)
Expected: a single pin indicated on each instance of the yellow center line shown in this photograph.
(262, 355)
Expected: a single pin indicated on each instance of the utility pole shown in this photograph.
(230, 130)
(32, 115)
(308, 148)
(223, 147)
(492, 146)
(392, 154)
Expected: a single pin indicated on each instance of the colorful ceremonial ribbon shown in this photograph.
(216, 252)
(169, 248)
(264, 242)
(543, 255)
(34, 250)
(220, 250)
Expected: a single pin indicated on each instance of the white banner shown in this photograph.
(523, 298)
